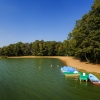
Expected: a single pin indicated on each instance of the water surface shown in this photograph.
(41, 79)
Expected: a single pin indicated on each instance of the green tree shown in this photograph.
(85, 37)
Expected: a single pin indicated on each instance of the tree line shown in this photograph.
(37, 48)
(82, 43)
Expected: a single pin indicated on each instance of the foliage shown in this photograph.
(37, 48)
(83, 42)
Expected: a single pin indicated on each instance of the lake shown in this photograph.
(41, 79)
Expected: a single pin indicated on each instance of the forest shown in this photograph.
(37, 48)
(82, 43)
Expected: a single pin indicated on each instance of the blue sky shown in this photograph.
(49, 20)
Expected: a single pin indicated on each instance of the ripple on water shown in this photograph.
(35, 79)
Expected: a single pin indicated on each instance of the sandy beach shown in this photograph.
(71, 62)
(81, 65)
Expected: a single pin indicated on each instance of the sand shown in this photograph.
(71, 62)
(81, 65)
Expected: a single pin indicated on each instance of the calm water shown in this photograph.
(41, 79)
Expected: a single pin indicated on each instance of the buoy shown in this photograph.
(39, 67)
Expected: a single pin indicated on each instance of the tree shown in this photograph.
(85, 37)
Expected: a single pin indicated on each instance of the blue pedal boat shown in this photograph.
(70, 71)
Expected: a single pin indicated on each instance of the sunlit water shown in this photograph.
(41, 79)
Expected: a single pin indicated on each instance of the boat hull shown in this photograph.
(94, 79)
(96, 83)
(71, 74)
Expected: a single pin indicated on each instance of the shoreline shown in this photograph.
(70, 61)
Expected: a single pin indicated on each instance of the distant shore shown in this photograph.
(71, 62)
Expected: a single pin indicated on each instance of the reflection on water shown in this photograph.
(41, 79)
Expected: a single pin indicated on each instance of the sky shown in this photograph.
(49, 20)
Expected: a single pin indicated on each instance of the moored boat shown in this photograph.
(69, 71)
(83, 76)
(94, 79)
